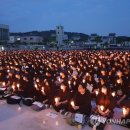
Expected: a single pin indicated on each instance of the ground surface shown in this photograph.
(14, 118)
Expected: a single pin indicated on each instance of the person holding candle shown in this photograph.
(121, 92)
(62, 98)
(45, 93)
(126, 116)
(81, 101)
(105, 102)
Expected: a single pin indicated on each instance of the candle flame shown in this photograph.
(72, 103)
(102, 108)
(124, 111)
(3, 83)
(96, 92)
(113, 94)
(13, 87)
(56, 100)
(18, 85)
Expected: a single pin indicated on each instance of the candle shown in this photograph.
(59, 80)
(102, 108)
(43, 91)
(96, 92)
(87, 74)
(3, 83)
(113, 94)
(124, 111)
(13, 87)
(18, 85)
(69, 82)
(56, 100)
(72, 103)
(83, 81)
(119, 81)
(36, 86)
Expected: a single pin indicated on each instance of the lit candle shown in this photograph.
(83, 81)
(36, 86)
(18, 85)
(72, 103)
(56, 100)
(3, 83)
(113, 94)
(13, 87)
(96, 92)
(87, 74)
(124, 111)
(59, 80)
(43, 91)
(102, 108)
(118, 81)
(69, 82)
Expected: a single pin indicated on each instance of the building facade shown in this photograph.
(31, 39)
(4, 33)
(59, 35)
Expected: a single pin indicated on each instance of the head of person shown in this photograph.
(104, 90)
(63, 87)
(81, 88)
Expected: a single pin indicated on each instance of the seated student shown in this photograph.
(27, 88)
(126, 116)
(62, 98)
(121, 92)
(105, 103)
(44, 93)
(81, 102)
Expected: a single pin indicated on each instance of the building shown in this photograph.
(76, 37)
(65, 37)
(4, 33)
(93, 36)
(31, 39)
(59, 35)
(112, 38)
(13, 39)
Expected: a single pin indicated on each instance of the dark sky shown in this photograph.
(87, 16)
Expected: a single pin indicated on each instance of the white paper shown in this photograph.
(7, 95)
(2, 89)
(15, 97)
(79, 118)
(93, 117)
(38, 104)
(52, 115)
(102, 119)
(28, 98)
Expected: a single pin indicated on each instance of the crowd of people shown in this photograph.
(69, 80)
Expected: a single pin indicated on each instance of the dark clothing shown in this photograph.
(84, 103)
(105, 100)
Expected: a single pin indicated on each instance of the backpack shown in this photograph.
(76, 119)
(2, 90)
(27, 101)
(13, 99)
(38, 106)
(97, 120)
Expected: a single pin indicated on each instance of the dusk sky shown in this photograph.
(86, 16)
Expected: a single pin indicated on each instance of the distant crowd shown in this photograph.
(69, 80)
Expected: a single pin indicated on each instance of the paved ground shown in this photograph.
(12, 117)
